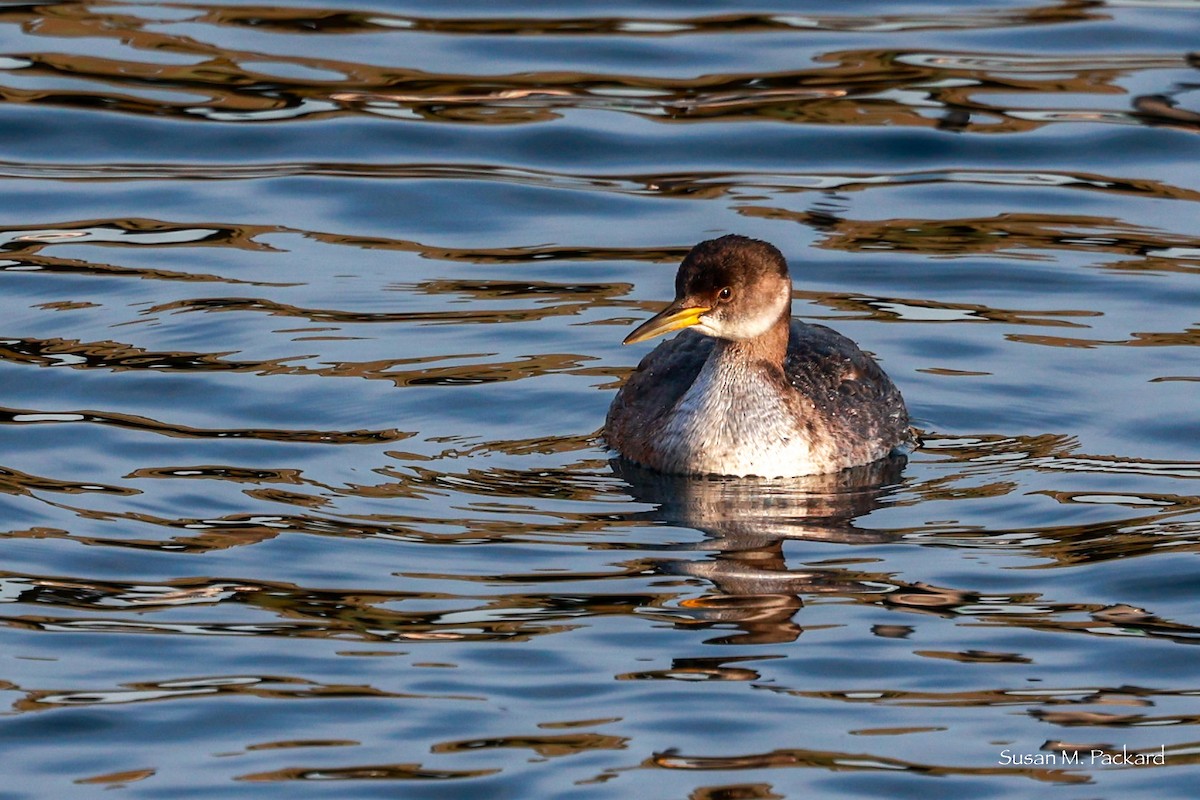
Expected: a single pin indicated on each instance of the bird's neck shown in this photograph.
(769, 346)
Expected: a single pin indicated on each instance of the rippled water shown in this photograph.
(310, 316)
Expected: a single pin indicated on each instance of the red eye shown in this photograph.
(725, 293)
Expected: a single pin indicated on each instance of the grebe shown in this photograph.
(748, 390)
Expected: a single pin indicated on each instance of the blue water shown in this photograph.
(310, 316)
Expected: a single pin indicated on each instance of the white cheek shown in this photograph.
(736, 331)
(749, 327)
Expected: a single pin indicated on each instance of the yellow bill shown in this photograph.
(671, 318)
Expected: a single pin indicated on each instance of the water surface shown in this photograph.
(311, 315)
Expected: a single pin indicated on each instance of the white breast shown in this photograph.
(732, 421)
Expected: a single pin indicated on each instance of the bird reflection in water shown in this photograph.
(747, 521)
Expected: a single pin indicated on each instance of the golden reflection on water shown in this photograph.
(15, 416)
(858, 87)
(505, 548)
(753, 589)
(389, 772)
(847, 761)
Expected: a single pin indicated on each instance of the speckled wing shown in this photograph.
(845, 384)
